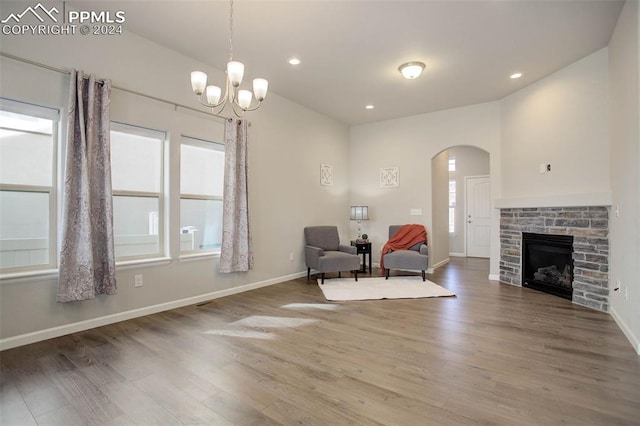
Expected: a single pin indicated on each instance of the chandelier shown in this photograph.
(240, 100)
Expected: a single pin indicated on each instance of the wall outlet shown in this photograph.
(137, 281)
(292, 256)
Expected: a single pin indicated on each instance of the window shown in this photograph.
(452, 161)
(28, 141)
(136, 175)
(201, 187)
(452, 206)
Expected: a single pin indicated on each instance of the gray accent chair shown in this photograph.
(415, 258)
(324, 252)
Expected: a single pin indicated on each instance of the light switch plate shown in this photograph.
(415, 212)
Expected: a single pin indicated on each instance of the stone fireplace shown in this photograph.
(589, 227)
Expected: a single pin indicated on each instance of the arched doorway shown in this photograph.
(456, 171)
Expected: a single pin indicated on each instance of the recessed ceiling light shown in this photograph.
(369, 107)
(516, 75)
(294, 61)
(411, 70)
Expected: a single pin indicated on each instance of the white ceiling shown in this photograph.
(350, 50)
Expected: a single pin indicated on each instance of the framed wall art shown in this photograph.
(389, 177)
(326, 174)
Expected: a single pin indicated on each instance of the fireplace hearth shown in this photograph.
(547, 263)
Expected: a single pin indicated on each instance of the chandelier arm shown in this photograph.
(235, 107)
(208, 105)
(254, 108)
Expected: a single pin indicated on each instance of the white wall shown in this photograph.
(439, 239)
(624, 74)
(562, 120)
(287, 143)
(410, 143)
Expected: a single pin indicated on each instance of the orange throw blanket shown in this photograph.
(406, 237)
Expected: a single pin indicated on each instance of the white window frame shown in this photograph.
(452, 205)
(162, 136)
(52, 114)
(205, 144)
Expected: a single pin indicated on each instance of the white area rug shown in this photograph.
(342, 289)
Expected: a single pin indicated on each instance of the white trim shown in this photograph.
(566, 200)
(457, 255)
(37, 336)
(494, 277)
(633, 339)
(437, 265)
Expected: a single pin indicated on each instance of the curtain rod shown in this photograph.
(63, 71)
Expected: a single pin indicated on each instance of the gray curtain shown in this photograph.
(87, 257)
(236, 254)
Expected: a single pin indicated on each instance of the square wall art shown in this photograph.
(389, 177)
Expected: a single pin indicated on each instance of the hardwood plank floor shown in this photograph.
(494, 354)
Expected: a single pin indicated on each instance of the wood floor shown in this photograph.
(495, 354)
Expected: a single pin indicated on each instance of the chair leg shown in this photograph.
(308, 273)
(322, 278)
(339, 274)
(423, 275)
(386, 274)
(356, 275)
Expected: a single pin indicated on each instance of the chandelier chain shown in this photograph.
(231, 32)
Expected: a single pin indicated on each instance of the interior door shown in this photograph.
(478, 216)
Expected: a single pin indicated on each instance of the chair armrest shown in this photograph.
(424, 249)
(348, 249)
(312, 254)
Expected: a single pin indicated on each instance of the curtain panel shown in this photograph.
(87, 255)
(236, 254)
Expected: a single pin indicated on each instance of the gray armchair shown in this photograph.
(324, 252)
(415, 258)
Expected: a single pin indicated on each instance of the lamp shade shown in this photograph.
(359, 213)
(213, 94)
(244, 98)
(198, 82)
(235, 72)
(260, 86)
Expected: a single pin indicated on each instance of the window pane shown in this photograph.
(136, 162)
(135, 225)
(26, 150)
(24, 229)
(200, 224)
(201, 169)
(452, 205)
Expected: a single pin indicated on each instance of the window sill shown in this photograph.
(192, 257)
(17, 277)
(130, 264)
(48, 274)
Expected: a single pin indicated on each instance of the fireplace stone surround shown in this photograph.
(590, 228)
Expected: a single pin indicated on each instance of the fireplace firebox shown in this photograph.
(547, 263)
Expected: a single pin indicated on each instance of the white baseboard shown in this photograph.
(457, 255)
(494, 277)
(437, 265)
(49, 333)
(633, 339)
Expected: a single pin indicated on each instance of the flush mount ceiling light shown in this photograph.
(240, 100)
(294, 61)
(411, 70)
(369, 107)
(516, 75)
